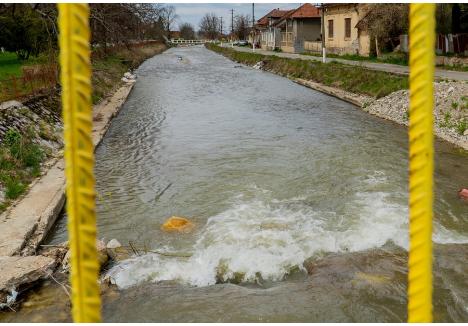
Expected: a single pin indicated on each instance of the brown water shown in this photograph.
(300, 197)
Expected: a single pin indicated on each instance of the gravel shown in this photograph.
(450, 110)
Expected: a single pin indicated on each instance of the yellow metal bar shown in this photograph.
(79, 159)
(421, 152)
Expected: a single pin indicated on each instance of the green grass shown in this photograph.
(393, 58)
(396, 58)
(20, 162)
(350, 78)
(109, 69)
(454, 67)
(11, 66)
(461, 126)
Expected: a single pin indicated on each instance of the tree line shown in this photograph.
(30, 29)
(210, 27)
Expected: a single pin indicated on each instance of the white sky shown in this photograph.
(192, 13)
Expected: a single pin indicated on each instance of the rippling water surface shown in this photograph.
(279, 180)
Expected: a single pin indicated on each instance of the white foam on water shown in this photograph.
(270, 237)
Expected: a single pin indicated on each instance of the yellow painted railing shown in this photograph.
(421, 152)
(79, 159)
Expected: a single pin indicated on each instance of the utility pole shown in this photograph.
(232, 27)
(253, 29)
(221, 19)
(324, 52)
(232, 21)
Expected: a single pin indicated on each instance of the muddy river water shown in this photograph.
(299, 202)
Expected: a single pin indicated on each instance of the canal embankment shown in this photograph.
(380, 93)
(32, 182)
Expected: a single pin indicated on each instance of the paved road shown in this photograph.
(396, 69)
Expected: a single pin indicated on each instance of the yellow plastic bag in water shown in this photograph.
(179, 224)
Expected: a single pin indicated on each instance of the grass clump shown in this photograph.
(461, 126)
(350, 78)
(20, 163)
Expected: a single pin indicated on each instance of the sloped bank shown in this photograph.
(379, 93)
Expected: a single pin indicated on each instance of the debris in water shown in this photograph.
(176, 223)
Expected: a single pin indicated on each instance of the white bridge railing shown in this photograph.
(188, 42)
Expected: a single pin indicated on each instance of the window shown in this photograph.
(330, 28)
(347, 27)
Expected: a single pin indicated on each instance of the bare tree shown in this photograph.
(169, 17)
(126, 22)
(241, 26)
(209, 26)
(187, 31)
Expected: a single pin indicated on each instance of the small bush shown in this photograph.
(32, 155)
(461, 126)
(13, 188)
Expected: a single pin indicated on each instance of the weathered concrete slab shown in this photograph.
(24, 225)
(35, 211)
(19, 271)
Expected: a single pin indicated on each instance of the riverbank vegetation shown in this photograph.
(22, 150)
(109, 68)
(20, 161)
(123, 36)
(350, 78)
(396, 58)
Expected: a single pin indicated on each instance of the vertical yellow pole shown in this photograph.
(421, 152)
(79, 159)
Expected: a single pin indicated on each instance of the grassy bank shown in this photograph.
(20, 162)
(10, 65)
(350, 78)
(393, 58)
(396, 58)
(109, 69)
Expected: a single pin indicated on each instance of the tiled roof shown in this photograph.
(275, 13)
(306, 11)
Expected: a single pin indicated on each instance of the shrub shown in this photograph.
(13, 141)
(13, 188)
(461, 126)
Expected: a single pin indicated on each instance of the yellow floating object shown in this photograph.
(176, 223)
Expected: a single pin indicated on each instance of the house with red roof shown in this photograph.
(267, 36)
(289, 29)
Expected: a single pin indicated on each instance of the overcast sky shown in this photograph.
(193, 13)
